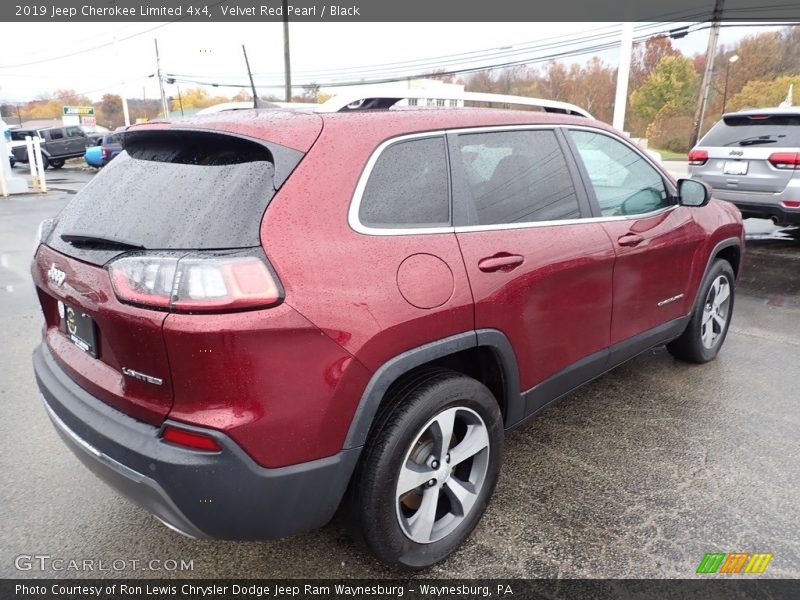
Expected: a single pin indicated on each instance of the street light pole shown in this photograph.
(731, 60)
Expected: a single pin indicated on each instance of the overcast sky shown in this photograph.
(212, 51)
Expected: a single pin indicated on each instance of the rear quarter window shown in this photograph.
(408, 186)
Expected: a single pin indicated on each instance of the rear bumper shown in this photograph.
(780, 214)
(762, 205)
(204, 495)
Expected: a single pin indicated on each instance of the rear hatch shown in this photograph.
(749, 152)
(171, 194)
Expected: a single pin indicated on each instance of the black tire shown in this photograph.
(45, 162)
(57, 163)
(376, 508)
(690, 345)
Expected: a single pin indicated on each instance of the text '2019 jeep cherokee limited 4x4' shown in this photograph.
(254, 317)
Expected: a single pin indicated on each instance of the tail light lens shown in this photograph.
(190, 439)
(698, 157)
(199, 282)
(785, 160)
(791, 203)
(104, 152)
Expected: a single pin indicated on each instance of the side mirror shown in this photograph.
(693, 193)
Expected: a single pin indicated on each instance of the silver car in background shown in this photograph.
(752, 159)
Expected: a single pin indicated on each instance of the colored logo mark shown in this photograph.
(735, 562)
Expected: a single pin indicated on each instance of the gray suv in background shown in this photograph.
(751, 158)
(58, 144)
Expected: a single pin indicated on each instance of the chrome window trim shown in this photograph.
(534, 224)
(355, 202)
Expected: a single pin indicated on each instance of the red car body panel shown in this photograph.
(127, 336)
(555, 308)
(656, 270)
(270, 379)
(355, 300)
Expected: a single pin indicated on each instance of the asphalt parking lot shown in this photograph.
(638, 474)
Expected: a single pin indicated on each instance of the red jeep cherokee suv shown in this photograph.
(253, 317)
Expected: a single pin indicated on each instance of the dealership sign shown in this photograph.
(78, 111)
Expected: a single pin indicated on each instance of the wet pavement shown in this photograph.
(638, 474)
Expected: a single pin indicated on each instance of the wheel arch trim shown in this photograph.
(726, 243)
(401, 364)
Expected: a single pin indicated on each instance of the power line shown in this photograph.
(600, 46)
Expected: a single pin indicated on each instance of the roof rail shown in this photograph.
(381, 97)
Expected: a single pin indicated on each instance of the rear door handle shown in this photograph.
(502, 261)
(630, 239)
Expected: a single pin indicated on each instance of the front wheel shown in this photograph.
(57, 163)
(428, 470)
(711, 318)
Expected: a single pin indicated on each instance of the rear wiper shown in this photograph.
(757, 141)
(95, 240)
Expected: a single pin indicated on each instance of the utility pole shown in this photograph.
(623, 74)
(287, 63)
(250, 75)
(708, 74)
(164, 106)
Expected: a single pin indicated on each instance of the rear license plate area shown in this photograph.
(79, 327)
(735, 167)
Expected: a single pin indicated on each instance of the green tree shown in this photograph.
(764, 94)
(673, 83)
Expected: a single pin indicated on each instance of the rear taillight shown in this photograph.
(199, 282)
(190, 439)
(785, 160)
(698, 157)
(791, 203)
(104, 152)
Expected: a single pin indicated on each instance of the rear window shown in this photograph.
(172, 192)
(742, 130)
(19, 136)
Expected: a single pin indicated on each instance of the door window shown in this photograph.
(408, 186)
(517, 177)
(624, 182)
(55, 134)
(74, 132)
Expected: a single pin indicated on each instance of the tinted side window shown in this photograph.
(408, 186)
(517, 177)
(623, 181)
(74, 132)
(55, 134)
